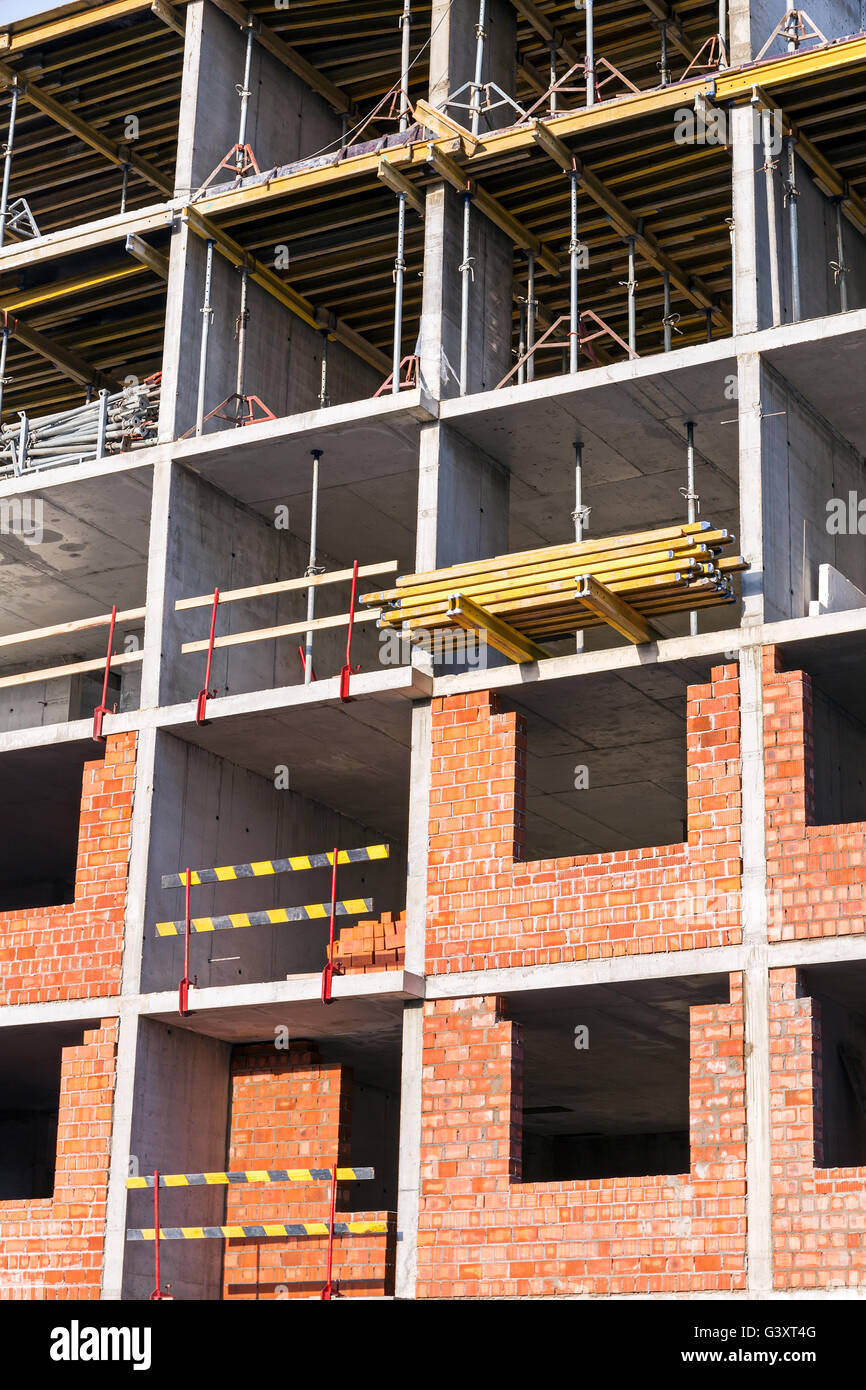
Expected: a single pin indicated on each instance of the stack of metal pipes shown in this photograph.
(105, 425)
(670, 570)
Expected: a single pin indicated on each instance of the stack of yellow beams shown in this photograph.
(624, 581)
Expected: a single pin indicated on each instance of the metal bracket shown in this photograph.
(102, 709)
(205, 693)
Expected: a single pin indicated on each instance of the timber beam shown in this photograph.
(70, 364)
(628, 225)
(56, 111)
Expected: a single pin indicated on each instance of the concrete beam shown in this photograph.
(70, 364)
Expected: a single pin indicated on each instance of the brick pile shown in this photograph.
(371, 946)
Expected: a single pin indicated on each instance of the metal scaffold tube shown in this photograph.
(311, 568)
(102, 427)
(793, 229)
(632, 300)
(530, 315)
(324, 398)
(4, 347)
(573, 250)
(590, 53)
(773, 241)
(580, 513)
(480, 35)
(206, 318)
(467, 274)
(692, 504)
(400, 261)
(667, 309)
(723, 34)
(244, 94)
(7, 160)
(553, 93)
(839, 267)
(243, 319)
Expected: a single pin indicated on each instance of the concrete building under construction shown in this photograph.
(433, 649)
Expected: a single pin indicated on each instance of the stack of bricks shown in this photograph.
(816, 874)
(819, 1214)
(289, 1110)
(370, 946)
(51, 1247)
(489, 909)
(75, 951)
(485, 1234)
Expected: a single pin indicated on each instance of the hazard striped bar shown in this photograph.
(254, 1175)
(294, 864)
(351, 907)
(301, 1228)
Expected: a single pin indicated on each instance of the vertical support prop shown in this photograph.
(324, 398)
(692, 503)
(468, 274)
(667, 309)
(332, 967)
(793, 229)
(206, 320)
(580, 514)
(124, 187)
(590, 53)
(400, 261)
(840, 269)
(8, 149)
(521, 346)
(244, 94)
(769, 168)
(243, 319)
(573, 247)
(531, 307)
(206, 693)
(4, 348)
(553, 92)
(723, 33)
(311, 568)
(664, 68)
(632, 300)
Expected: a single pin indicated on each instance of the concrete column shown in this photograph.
(491, 254)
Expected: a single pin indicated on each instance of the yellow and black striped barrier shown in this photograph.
(312, 912)
(299, 1228)
(253, 1175)
(263, 867)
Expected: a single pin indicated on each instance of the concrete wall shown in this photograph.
(179, 1125)
(213, 541)
(835, 18)
(208, 812)
(804, 465)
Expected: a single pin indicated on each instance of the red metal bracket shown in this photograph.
(158, 1293)
(331, 1289)
(332, 967)
(205, 693)
(102, 709)
(346, 672)
(408, 380)
(183, 987)
(244, 412)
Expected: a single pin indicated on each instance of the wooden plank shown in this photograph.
(285, 586)
(76, 668)
(37, 634)
(147, 255)
(267, 634)
(501, 635)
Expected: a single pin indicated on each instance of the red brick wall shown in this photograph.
(816, 874)
(289, 1110)
(819, 1214)
(52, 1247)
(489, 909)
(483, 1234)
(75, 951)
